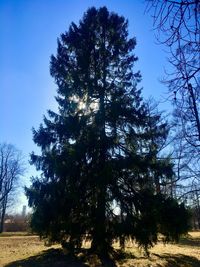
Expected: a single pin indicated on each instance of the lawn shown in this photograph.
(29, 251)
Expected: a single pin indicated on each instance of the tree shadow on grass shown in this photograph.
(49, 258)
(56, 258)
(178, 260)
(167, 260)
(189, 241)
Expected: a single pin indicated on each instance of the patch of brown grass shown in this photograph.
(184, 254)
(19, 247)
(29, 251)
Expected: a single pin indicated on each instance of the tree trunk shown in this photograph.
(196, 114)
(197, 209)
(100, 242)
(2, 219)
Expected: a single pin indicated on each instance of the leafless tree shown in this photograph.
(177, 25)
(11, 168)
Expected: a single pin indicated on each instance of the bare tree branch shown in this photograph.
(11, 168)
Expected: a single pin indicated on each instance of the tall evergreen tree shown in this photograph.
(99, 153)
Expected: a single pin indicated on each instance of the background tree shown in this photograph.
(11, 168)
(100, 151)
(178, 27)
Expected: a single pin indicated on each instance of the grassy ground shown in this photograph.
(29, 251)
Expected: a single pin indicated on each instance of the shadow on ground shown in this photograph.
(48, 258)
(164, 260)
(56, 258)
(178, 260)
(189, 241)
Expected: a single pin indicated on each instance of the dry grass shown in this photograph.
(29, 251)
(17, 247)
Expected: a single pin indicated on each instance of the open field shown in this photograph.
(29, 251)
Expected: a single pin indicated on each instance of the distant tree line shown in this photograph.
(17, 223)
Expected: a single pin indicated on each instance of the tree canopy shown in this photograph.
(102, 174)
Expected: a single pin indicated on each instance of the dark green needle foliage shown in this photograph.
(99, 153)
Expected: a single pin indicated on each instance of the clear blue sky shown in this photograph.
(29, 32)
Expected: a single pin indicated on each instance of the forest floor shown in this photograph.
(28, 251)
